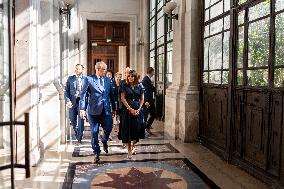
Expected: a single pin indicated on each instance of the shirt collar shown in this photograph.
(99, 77)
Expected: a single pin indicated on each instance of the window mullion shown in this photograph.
(271, 62)
(246, 46)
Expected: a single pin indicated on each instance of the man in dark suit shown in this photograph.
(149, 105)
(72, 94)
(101, 105)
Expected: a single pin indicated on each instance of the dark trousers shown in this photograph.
(95, 121)
(76, 121)
(150, 111)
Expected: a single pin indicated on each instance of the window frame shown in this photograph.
(234, 68)
(163, 43)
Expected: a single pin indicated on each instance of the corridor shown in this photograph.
(159, 163)
(217, 92)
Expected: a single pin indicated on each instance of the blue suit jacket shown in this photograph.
(70, 89)
(99, 98)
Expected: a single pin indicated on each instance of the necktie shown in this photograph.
(101, 82)
(79, 84)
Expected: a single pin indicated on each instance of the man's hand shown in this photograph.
(69, 104)
(147, 104)
(82, 114)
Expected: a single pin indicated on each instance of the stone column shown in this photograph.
(182, 98)
(172, 93)
(60, 89)
(122, 59)
(49, 72)
(143, 35)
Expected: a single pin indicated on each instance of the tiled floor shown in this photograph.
(160, 162)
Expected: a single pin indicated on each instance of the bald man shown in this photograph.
(101, 106)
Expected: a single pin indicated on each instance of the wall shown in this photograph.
(37, 69)
(132, 11)
(182, 97)
(45, 55)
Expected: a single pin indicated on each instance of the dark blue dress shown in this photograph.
(133, 126)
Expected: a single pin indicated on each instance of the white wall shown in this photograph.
(108, 10)
(37, 57)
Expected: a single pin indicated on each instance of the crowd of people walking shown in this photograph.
(103, 96)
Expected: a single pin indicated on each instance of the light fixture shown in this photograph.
(108, 40)
(77, 41)
(140, 41)
(66, 9)
(68, 2)
(168, 9)
(68, 14)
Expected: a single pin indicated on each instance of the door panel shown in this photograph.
(215, 116)
(275, 134)
(107, 54)
(238, 124)
(255, 86)
(256, 128)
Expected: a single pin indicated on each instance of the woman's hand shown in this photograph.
(137, 112)
(132, 111)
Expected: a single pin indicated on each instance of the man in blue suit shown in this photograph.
(101, 106)
(72, 95)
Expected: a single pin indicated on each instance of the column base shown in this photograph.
(182, 113)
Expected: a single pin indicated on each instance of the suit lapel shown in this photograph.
(74, 82)
(97, 85)
(103, 87)
(83, 81)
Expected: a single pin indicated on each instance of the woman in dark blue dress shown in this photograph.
(132, 97)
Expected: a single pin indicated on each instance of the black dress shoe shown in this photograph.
(105, 147)
(97, 159)
(80, 141)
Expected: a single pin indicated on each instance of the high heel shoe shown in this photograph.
(133, 151)
(129, 156)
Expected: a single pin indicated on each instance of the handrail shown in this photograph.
(25, 123)
(20, 123)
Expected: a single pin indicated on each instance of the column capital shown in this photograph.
(3, 89)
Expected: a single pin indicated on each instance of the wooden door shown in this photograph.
(107, 54)
(242, 87)
(104, 38)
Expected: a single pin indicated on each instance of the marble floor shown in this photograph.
(159, 163)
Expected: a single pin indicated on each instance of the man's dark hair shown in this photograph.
(109, 70)
(80, 65)
(150, 70)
